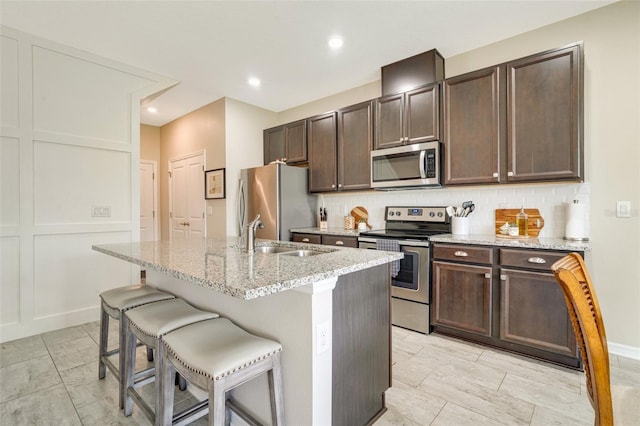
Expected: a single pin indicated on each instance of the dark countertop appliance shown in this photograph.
(408, 229)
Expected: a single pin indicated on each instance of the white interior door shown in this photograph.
(148, 201)
(187, 203)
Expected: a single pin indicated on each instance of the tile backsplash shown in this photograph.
(550, 199)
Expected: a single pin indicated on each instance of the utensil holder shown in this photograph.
(460, 225)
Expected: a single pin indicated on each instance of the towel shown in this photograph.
(390, 245)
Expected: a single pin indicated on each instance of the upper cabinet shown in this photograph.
(288, 141)
(474, 127)
(339, 149)
(408, 118)
(544, 110)
(516, 122)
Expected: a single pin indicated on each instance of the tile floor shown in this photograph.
(50, 379)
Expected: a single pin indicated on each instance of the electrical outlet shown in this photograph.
(323, 337)
(623, 208)
(100, 211)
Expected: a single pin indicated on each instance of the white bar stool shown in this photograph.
(149, 323)
(112, 304)
(218, 356)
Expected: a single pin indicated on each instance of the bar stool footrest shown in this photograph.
(242, 413)
(191, 414)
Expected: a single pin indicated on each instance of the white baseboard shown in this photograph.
(624, 350)
(9, 332)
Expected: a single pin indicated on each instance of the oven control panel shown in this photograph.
(416, 214)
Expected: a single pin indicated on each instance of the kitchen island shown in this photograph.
(329, 310)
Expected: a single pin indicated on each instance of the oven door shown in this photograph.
(412, 281)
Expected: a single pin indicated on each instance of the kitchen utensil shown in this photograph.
(451, 211)
(467, 204)
(360, 213)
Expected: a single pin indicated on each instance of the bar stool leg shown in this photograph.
(124, 324)
(129, 353)
(102, 350)
(149, 354)
(164, 411)
(275, 391)
(217, 412)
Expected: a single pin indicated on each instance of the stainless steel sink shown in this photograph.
(272, 249)
(303, 253)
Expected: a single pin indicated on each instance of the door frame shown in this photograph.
(169, 195)
(156, 215)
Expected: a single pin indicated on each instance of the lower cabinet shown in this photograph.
(326, 239)
(502, 297)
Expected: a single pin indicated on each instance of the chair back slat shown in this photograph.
(586, 319)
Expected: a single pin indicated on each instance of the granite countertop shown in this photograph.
(506, 241)
(221, 265)
(330, 231)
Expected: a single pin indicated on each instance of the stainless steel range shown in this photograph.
(407, 229)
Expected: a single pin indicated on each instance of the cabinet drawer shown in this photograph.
(531, 259)
(337, 240)
(469, 254)
(306, 238)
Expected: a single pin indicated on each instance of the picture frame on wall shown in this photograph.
(214, 184)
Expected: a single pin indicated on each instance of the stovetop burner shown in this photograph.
(414, 223)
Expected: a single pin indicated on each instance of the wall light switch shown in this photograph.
(623, 208)
(100, 211)
(209, 210)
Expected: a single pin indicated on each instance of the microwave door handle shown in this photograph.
(423, 164)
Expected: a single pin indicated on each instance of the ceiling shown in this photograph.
(213, 47)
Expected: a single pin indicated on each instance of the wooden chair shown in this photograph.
(586, 319)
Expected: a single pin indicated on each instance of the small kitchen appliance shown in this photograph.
(410, 228)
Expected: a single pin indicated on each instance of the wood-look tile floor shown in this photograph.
(51, 379)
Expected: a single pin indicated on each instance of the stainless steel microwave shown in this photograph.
(406, 166)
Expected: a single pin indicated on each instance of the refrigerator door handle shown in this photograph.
(241, 206)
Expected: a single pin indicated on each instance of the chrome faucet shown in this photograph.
(251, 233)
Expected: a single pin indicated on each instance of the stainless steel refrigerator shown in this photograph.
(279, 194)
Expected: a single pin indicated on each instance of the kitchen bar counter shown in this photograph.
(506, 241)
(221, 265)
(330, 312)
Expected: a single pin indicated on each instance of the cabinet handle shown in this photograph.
(503, 277)
(487, 275)
(461, 253)
(537, 260)
(339, 185)
(333, 185)
(509, 173)
(339, 243)
(305, 240)
(495, 175)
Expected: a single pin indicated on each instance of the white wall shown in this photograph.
(69, 141)
(611, 38)
(243, 135)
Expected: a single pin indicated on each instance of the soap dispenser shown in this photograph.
(522, 219)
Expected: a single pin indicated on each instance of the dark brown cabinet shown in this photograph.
(287, 141)
(462, 292)
(523, 311)
(408, 118)
(323, 153)
(544, 93)
(355, 141)
(329, 240)
(474, 127)
(339, 149)
(533, 311)
(516, 122)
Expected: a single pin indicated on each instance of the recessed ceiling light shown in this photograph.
(255, 82)
(336, 42)
(152, 110)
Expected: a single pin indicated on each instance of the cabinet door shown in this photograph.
(296, 142)
(274, 144)
(462, 297)
(533, 312)
(473, 127)
(544, 112)
(355, 138)
(322, 153)
(389, 121)
(422, 115)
